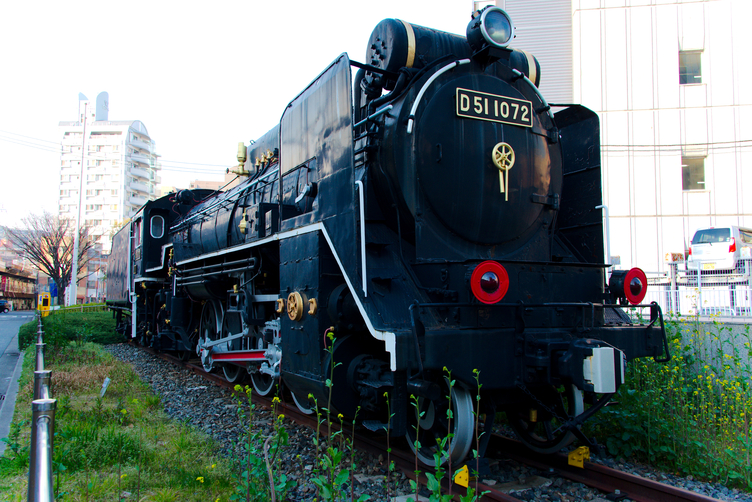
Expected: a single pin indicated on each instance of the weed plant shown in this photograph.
(331, 474)
(257, 473)
(443, 451)
(113, 447)
(692, 414)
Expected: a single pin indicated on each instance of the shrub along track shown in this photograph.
(616, 484)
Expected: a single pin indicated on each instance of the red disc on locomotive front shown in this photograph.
(635, 286)
(489, 282)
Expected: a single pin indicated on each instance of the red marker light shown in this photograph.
(635, 286)
(489, 282)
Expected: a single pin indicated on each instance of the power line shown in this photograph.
(30, 137)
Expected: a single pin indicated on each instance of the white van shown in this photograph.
(720, 248)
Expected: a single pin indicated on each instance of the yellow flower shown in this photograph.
(200, 479)
(238, 388)
(275, 400)
(281, 416)
(340, 416)
(214, 465)
(123, 476)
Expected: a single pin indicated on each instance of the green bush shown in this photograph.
(59, 327)
(691, 415)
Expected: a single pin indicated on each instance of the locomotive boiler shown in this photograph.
(430, 214)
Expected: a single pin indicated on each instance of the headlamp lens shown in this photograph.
(497, 27)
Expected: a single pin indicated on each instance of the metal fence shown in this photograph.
(690, 292)
(42, 429)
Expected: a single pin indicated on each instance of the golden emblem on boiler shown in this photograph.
(503, 158)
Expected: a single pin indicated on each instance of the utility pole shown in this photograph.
(74, 268)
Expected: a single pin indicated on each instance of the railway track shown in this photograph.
(612, 483)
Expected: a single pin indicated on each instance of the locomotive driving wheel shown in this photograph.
(303, 403)
(540, 425)
(263, 383)
(210, 328)
(231, 325)
(429, 423)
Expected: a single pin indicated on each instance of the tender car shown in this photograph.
(720, 249)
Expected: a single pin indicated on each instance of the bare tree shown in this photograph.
(47, 241)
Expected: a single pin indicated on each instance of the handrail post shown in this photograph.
(40, 461)
(40, 356)
(42, 381)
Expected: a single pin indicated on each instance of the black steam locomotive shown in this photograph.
(430, 215)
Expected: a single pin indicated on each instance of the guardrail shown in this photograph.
(42, 429)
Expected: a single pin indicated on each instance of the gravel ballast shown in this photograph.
(212, 409)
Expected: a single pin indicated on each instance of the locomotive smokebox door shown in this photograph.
(480, 162)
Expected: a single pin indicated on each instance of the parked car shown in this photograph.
(720, 249)
(4, 306)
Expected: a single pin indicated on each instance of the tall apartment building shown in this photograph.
(120, 169)
(669, 80)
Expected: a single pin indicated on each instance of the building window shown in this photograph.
(690, 69)
(693, 173)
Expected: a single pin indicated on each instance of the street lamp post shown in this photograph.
(74, 266)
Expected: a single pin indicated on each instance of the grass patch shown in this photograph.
(120, 447)
(61, 327)
(691, 415)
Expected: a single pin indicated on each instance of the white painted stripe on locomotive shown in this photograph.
(362, 196)
(164, 255)
(428, 83)
(387, 337)
(131, 283)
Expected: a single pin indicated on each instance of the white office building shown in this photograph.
(670, 82)
(120, 169)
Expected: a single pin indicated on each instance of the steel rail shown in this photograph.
(594, 475)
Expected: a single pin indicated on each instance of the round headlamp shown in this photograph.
(496, 27)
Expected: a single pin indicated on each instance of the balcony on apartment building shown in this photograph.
(139, 187)
(141, 173)
(137, 199)
(143, 145)
(141, 158)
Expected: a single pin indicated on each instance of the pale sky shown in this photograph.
(200, 76)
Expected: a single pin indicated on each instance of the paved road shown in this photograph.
(10, 366)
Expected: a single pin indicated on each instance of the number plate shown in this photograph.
(494, 108)
(708, 266)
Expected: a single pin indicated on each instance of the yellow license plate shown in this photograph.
(708, 266)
